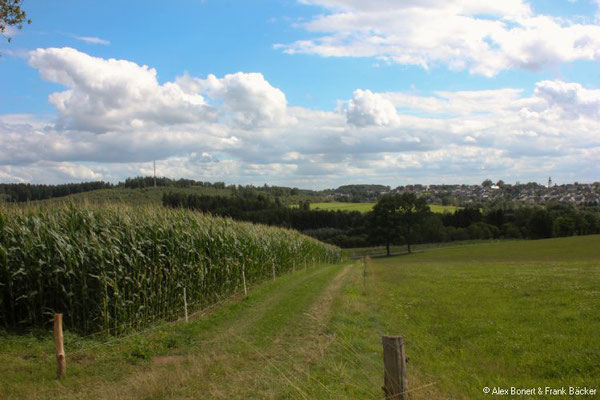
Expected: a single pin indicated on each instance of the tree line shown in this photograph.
(22, 192)
(252, 206)
(396, 219)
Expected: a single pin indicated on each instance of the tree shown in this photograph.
(540, 224)
(11, 14)
(564, 226)
(304, 205)
(396, 216)
(411, 211)
(384, 225)
(487, 183)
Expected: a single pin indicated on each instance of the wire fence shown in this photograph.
(194, 309)
(284, 363)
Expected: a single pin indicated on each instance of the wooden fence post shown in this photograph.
(244, 278)
(273, 270)
(61, 362)
(395, 383)
(185, 305)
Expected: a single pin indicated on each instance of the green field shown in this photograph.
(514, 313)
(520, 313)
(138, 197)
(365, 207)
(396, 250)
(147, 196)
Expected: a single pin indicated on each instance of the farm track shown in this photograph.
(262, 351)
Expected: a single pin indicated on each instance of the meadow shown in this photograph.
(511, 313)
(366, 207)
(520, 313)
(148, 196)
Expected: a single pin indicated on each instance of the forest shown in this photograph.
(355, 229)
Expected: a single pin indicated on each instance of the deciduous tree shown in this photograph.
(395, 216)
(11, 14)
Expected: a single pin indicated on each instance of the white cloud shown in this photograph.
(484, 37)
(113, 94)
(247, 99)
(109, 95)
(93, 40)
(367, 108)
(572, 98)
(116, 118)
(51, 172)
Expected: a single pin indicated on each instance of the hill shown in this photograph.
(153, 195)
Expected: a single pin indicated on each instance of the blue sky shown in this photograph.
(312, 93)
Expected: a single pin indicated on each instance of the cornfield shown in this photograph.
(120, 268)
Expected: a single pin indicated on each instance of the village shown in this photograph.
(581, 194)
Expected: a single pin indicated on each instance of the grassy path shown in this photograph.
(281, 341)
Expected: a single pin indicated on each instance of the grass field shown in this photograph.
(518, 313)
(365, 207)
(138, 197)
(396, 250)
(148, 196)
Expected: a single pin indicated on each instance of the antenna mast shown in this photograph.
(154, 163)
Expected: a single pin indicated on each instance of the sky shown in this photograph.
(306, 93)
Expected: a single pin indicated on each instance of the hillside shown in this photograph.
(152, 195)
(137, 196)
(485, 314)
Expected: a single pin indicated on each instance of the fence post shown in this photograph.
(61, 363)
(273, 270)
(244, 278)
(395, 384)
(185, 305)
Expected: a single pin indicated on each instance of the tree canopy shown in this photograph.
(395, 217)
(11, 14)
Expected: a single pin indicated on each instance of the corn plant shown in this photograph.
(120, 268)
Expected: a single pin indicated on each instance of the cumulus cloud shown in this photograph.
(112, 94)
(367, 108)
(572, 98)
(108, 95)
(247, 98)
(483, 37)
(115, 118)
